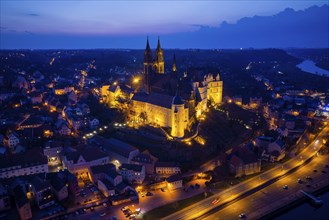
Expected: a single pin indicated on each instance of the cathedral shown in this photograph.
(170, 99)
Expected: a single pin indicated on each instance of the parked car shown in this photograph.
(285, 187)
(124, 208)
(242, 215)
(149, 194)
(309, 178)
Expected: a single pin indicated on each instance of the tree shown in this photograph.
(143, 116)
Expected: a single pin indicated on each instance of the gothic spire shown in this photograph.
(159, 46)
(147, 44)
(148, 53)
(174, 67)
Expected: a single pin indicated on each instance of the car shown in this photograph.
(315, 171)
(142, 194)
(309, 178)
(285, 187)
(127, 211)
(92, 209)
(242, 215)
(323, 171)
(124, 208)
(299, 181)
(215, 201)
(102, 214)
(149, 194)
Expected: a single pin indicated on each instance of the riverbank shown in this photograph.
(310, 67)
(281, 211)
(292, 201)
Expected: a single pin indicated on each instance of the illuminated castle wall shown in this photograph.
(165, 110)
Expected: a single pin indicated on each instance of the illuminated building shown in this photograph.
(79, 162)
(132, 173)
(167, 169)
(174, 67)
(22, 203)
(171, 100)
(174, 182)
(159, 61)
(31, 162)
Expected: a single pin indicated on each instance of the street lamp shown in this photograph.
(135, 80)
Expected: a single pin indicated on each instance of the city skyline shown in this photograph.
(114, 24)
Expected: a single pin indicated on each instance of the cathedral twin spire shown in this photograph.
(148, 53)
(158, 63)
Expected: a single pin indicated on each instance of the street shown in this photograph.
(205, 206)
(274, 196)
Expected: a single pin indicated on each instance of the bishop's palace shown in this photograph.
(172, 100)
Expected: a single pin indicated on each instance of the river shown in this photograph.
(310, 67)
(307, 211)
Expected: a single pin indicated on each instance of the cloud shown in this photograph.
(28, 32)
(33, 15)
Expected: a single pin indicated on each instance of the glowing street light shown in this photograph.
(135, 80)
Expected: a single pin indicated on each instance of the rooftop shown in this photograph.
(166, 164)
(88, 154)
(119, 147)
(30, 158)
(158, 99)
(134, 167)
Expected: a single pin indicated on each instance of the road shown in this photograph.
(146, 203)
(274, 196)
(254, 184)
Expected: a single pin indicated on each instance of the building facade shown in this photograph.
(32, 162)
(167, 168)
(132, 173)
(153, 101)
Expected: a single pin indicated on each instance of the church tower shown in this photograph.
(159, 61)
(148, 64)
(178, 117)
(174, 68)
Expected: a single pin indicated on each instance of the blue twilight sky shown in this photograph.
(125, 24)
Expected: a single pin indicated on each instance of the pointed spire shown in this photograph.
(174, 68)
(148, 53)
(159, 46)
(177, 100)
(148, 44)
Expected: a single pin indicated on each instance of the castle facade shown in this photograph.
(169, 99)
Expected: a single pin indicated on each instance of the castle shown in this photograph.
(168, 99)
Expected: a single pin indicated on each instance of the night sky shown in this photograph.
(125, 24)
